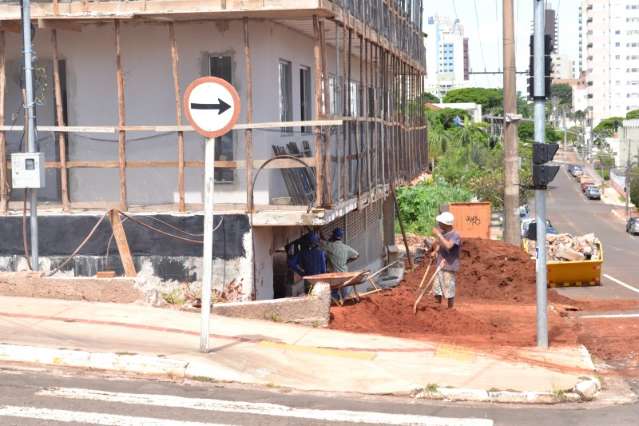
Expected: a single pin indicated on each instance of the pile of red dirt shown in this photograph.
(495, 303)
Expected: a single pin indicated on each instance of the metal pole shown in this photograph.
(31, 134)
(512, 233)
(628, 167)
(540, 195)
(207, 270)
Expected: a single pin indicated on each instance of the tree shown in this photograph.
(633, 115)
(491, 100)
(526, 132)
(563, 92)
(608, 126)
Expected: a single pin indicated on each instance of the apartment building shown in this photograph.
(326, 131)
(609, 56)
(447, 55)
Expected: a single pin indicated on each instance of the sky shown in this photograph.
(482, 20)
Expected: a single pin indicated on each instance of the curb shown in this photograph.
(148, 365)
(584, 391)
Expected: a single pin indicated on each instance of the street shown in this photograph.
(37, 397)
(570, 211)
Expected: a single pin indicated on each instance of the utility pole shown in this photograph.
(31, 124)
(540, 194)
(628, 181)
(511, 156)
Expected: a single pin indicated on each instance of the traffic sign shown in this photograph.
(212, 106)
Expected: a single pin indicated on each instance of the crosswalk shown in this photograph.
(258, 412)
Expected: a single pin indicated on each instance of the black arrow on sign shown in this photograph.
(222, 107)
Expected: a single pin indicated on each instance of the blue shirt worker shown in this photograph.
(310, 260)
(447, 249)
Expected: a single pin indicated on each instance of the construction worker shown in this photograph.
(339, 255)
(447, 250)
(310, 260)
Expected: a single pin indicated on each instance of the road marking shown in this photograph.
(608, 316)
(621, 283)
(67, 416)
(260, 408)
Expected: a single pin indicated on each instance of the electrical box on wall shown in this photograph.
(27, 170)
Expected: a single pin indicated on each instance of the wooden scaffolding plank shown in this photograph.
(248, 134)
(4, 180)
(175, 62)
(121, 117)
(59, 113)
(319, 196)
(122, 243)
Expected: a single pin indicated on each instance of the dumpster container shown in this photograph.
(580, 273)
(472, 220)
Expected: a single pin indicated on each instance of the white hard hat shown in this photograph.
(446, 218)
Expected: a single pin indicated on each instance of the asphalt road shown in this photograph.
(570, 211)
(29, 397)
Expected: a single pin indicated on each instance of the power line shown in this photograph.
(481, 46)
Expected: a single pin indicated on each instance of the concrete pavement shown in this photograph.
(108, 336)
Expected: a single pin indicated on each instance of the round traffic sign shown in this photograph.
(212, 106)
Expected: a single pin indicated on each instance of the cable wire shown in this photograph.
(168, 234)
(481, 46)
(77, 250)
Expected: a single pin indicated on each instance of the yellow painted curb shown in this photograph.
(363, 356)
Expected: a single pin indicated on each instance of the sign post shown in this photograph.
(212, 107)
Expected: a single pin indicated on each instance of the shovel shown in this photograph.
(430, 282)
(430, 263)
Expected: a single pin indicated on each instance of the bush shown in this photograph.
(634, 186)
(419, 204)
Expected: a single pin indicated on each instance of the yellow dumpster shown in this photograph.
(582, 273)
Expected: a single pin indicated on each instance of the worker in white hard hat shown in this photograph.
(447, 250)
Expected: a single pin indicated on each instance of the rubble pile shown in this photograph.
(566, 247)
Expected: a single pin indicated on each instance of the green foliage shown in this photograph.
(604, 162)
(419, 205)
(491, 100)
(563, 92)
(634, 186)
(526, 132)
(633, 115)
(445, 117)
(524, 107)
(429, 97)
(608, 127)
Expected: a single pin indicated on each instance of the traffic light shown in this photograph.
(548, 48)
(542, 173)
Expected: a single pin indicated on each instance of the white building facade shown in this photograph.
(610, 56)
(447, 62)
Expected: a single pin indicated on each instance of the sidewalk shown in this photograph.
(147, 340)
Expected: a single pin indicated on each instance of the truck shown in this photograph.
(577, 273)
(585, 182)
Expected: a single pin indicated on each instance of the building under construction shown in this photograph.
(329, 125)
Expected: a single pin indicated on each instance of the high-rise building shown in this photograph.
(563, 67)
(447, 55)
(610, 56)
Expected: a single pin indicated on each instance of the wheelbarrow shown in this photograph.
(338, 281)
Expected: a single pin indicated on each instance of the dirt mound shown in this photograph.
(495, 303)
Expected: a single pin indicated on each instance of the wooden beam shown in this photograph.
(326, 140)
(248, 134)
(175, 61)
(59, 113)
(4, 181)
(121, 117)
(142, 164)
(319, 190)
(122, 243)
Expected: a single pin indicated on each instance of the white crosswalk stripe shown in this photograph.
(92, 418)
(259, 409)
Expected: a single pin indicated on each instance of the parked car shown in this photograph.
(632, 226)
(577, 171)
(592, 193)
(525, 227)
